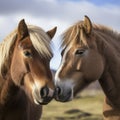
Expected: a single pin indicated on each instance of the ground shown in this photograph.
(86, 106)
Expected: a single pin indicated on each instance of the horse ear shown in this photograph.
(22, 29)
(87, 25)
(52, 32)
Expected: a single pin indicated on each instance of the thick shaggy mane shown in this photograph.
(73, 33)
(40, 41)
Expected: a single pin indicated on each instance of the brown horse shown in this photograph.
(90, 52)
(25, 77)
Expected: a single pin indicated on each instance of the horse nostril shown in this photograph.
(44, 91)
(58, 91)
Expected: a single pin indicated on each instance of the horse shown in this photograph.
(25, 77)
(90, 52)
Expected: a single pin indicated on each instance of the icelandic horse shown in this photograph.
(25, 77)
(90, 52)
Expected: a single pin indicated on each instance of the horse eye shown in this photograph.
(79, 52)
(27, 54)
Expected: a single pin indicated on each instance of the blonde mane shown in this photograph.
(73, 33)
(40, 41)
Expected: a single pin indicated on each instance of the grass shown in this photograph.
(83, 107)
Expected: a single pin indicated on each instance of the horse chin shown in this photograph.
(42, 101)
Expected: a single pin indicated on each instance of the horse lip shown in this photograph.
(44, 101)
(41, 102)
(63, 99)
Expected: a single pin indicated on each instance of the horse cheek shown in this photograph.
(18, 70)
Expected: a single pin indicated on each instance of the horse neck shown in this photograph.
(110, 80)
(8, 90)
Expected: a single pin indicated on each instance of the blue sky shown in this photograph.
(97, 2)
(104, 2)
(60, 13)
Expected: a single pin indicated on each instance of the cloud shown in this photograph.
(50, 13)
(65, 11)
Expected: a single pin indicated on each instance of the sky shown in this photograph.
(61, 13)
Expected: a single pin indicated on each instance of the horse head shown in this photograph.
(29, 67)
(81, 61)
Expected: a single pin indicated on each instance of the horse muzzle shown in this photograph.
(63, 95)
(44, 96)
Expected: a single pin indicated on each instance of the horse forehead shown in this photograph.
(26, 43)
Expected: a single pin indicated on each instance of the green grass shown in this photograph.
(84, 107)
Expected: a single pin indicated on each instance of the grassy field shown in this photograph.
(83, 107)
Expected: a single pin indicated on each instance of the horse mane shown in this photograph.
(73, 33)
(39, 39)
